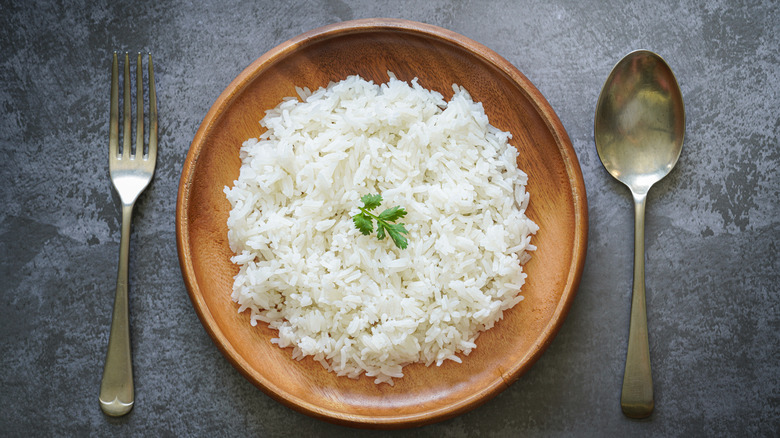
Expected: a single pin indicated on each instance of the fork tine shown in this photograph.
(126, 135)
(113, 131)
(139, 108)
(152, 155)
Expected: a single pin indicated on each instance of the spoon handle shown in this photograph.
(637, 396)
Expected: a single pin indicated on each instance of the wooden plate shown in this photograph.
(438, 58)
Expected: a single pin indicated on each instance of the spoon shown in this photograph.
(639, 129)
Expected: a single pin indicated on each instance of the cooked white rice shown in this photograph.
(354, 303)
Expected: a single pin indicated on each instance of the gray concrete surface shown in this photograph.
(713, 231)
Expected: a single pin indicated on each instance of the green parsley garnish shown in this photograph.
(364, 221)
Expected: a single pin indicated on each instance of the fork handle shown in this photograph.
(116, 388)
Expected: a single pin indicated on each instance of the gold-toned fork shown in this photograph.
(131, 171)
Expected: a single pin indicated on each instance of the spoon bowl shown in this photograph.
(639, 129)
(640, 120)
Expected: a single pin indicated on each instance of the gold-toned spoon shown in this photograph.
(639, 129)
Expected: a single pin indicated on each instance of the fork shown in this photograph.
(130, 171)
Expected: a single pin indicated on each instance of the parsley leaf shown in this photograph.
(364, 221)
(392, 214)
(380, 231)
(371, 202)
(395, 230)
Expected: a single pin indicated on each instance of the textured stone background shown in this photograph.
(713, 231)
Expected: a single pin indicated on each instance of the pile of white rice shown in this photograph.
(354, 303)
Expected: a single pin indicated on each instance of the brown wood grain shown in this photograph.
(438, 58)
